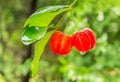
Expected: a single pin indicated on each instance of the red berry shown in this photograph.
(60, 43)
(91, 36)
(84, 40)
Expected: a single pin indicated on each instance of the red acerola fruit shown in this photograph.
(60, 43)
(84, 40)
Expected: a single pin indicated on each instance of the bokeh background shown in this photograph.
(101, 64)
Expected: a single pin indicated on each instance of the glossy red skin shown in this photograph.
(91, 35)
(84, 40)
(60, 43)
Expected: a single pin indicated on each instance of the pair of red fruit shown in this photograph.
(83, 40)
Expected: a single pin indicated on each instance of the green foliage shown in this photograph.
(100, 64)
(33, 33)
(37, 26)
(43, 16)
(38, 50)
(39, 21)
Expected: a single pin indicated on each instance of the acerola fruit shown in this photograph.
(60, 43)
(84, 40)
(91, 36)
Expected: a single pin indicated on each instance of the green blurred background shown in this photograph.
(101, 64)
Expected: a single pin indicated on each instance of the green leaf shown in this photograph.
(38, 50)
(32, 34)
(43, 16)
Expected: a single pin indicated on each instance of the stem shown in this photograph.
(71, 15)
(73, 3)
(67, 24)
(77, 27)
